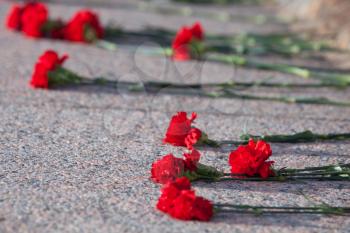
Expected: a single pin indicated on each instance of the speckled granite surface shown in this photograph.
(78, 159)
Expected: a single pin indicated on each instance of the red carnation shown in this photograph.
(251, 159)
(47, 62)
(265, 170)
(170, 191)
(13, 20)
(184, 38)
(83, 27)
(168, 168)
(33, 19)
(193, 136)
(183, 205)
(180, 131)
(203, 209)
(191, 160)
(179, 201)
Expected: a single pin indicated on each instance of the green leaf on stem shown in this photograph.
(61, 76)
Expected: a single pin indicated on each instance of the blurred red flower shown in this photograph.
(83, 27)
(47, 62)
(182, 43)
(13, 20)
(33, 18)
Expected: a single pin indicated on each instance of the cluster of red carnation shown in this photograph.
(246, 160)
(47, 62)
(177, 199)
(250, 160)
(184, 39)
(180, 201)
(33, 20)
(169, 167)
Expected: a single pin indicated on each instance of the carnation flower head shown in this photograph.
(251, 159)
(83, 27)
(13, 20)
(33, 18)
(169, 168)
(180, 202)
(180, 131)
(46, 63)
(187, 42)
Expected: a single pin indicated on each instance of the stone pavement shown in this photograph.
(78, 159)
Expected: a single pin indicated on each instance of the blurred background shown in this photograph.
(327, 19)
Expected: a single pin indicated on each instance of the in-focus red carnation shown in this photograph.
(13, 20)
(180, 131)
(180, 202)
(251, 159)
(33, 18)
(203, 209)
(47, 62)
(169, 168)
(170, 191)
(184, 37)
(83, 27)
(183, 205)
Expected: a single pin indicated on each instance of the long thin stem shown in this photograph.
(321, 173)
(323, 209)
(283, 44)
(305, 136)
(346, 165)
(325, 77)
(284, 99)
(285, 178)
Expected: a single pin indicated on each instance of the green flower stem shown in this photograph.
(224, 93)
(323, 209)
(317, 168)
(331, 78)
(245, 178)
(332, 170)
(321, 173)
(284, 99)
(327, 79)
(234, 84)
(283, 44)
(305, 136)
(259, 212)
(61, 76)
(204, 172)
(285, 178)
(242, 61)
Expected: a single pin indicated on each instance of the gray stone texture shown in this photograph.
(78, 159)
